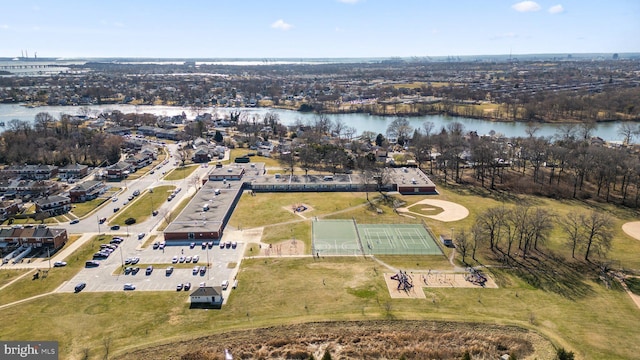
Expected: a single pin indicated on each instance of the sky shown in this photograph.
(315, 28)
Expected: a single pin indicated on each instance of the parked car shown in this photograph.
(224, 284)
(136, 193)
(141, 235)
(129, 287)
(114, 199)
(149, 270)
(128, 270)
(154, 212)
(80, 287)
(59, 264)
(116, 209)
(135, 260)
(192, 245)
(187, 286)
(195, 270)
(74, 221)
(115, 227)
(102, 220)
(181, 259)
(234, 244)
(169, 270)
(91, 263)
(195, 258)
(156, 245)
(187, 259)
(204, 245)
(134, 270)
(130, 221)
(203, 270)
(179, 287)
(174, 259)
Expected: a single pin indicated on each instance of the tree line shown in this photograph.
(57, 142)
(520, 230)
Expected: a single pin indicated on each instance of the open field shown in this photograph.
(142, 206)
(239, 152)
(82, 209)
(574, 311)
(181, 172)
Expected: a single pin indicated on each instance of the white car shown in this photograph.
(174, 260)
(59, 264)
(195, 258)
(129, 287)
(114, 199)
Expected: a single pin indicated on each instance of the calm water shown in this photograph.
(361, 122)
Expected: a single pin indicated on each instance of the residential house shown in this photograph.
(29, 172)
(119, 171)
(8, 209)
(38, 236)
(138, 161)
(207, 297)
(73, 171)
(118, 130)
(14, 188)
(53, 205)
(86, 191)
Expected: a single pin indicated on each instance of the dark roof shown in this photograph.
(207, 291)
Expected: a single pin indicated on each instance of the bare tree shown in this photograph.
(598, 231)
(627, 131)
(570, 224)
(463, 244)
(399, 129)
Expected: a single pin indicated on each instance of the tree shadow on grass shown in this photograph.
(553, 274)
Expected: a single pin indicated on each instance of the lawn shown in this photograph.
(268, 209)
(142, 207)
(599, 325)
(239, 152)
(181, 172)
(82, 209)
(27, 286)
(588, 318)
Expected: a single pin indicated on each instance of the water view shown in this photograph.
(361, 122)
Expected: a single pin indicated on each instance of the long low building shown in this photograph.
(207, 214)
(36, 236)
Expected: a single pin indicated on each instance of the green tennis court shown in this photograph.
(345, 237)
(399, 239)
(335, 237)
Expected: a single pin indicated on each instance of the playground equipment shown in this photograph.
(475, 277)
(405, 282)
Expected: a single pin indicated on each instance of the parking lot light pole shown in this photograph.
(98, 218)
(121, 257)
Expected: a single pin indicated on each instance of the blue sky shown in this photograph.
(315, 28)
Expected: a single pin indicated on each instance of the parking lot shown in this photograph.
(102, 278)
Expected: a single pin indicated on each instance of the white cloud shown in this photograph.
(556, 9)
(281, 25)
(4, 26)
(339, 29)
(526, 6)
(119, 24)
(349, 1)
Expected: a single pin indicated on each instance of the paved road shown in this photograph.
(102, 278)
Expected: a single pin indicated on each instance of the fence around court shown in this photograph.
(346, 237)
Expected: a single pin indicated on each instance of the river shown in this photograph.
(361, 122)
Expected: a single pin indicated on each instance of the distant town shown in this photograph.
(544, 88)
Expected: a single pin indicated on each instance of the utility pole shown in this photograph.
(49, 256)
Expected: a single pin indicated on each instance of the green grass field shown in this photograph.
(142, 207)
(181, 172)
(575, 311)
